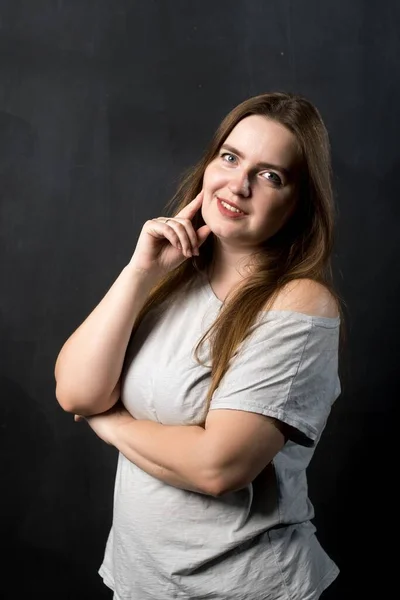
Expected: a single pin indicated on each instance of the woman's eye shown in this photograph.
(228, 157)
(271, 176)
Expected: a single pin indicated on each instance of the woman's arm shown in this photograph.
(89, 365)
(176, 455)
(222, 456)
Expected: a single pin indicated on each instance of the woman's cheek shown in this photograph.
(213, 179)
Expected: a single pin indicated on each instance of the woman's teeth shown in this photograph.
(229, 207)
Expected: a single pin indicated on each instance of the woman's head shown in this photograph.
(286, 130)
(250, 186)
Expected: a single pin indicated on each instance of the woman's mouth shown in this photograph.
(229, 211)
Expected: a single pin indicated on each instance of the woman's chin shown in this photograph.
(225, 231)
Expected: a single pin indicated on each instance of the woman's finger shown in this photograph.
(161, 229)
(189, 211)
(187, 235)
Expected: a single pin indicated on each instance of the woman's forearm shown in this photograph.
(90, 362)
(178, 455)
(174, 477)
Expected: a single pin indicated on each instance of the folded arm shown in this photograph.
(232, 447)
(224, 455)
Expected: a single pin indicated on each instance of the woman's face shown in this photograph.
(255, 171)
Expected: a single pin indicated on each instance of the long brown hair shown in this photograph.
(301, 249)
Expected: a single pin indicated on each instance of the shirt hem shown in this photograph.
(108, 580)
(310, 432)
(324, 583)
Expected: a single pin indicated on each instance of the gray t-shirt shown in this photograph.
(257, 543)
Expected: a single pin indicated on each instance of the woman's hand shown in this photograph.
(105, 424)
(164, 243)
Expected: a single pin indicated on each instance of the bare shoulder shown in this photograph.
(308, 297)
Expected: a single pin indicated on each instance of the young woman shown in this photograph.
(212, 365)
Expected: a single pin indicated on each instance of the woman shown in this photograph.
(212, 364)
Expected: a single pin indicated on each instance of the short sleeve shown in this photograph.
(287, 368)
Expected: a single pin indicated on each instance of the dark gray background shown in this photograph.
(103, 104)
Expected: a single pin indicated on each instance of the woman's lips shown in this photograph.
(230, 203)
(228, 213)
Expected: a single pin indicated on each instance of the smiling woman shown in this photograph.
(212, 365)
(242, 176)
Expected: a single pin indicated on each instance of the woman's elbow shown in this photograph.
(86, 406)
(70, 403)
(67, 402)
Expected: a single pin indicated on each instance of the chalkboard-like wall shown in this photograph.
(102, 106)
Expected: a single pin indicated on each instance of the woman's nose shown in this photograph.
(240, 184)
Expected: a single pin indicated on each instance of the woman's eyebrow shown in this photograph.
(260, 165)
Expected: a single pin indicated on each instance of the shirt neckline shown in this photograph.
(317, 319)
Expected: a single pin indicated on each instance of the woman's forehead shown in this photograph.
(260, 139)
